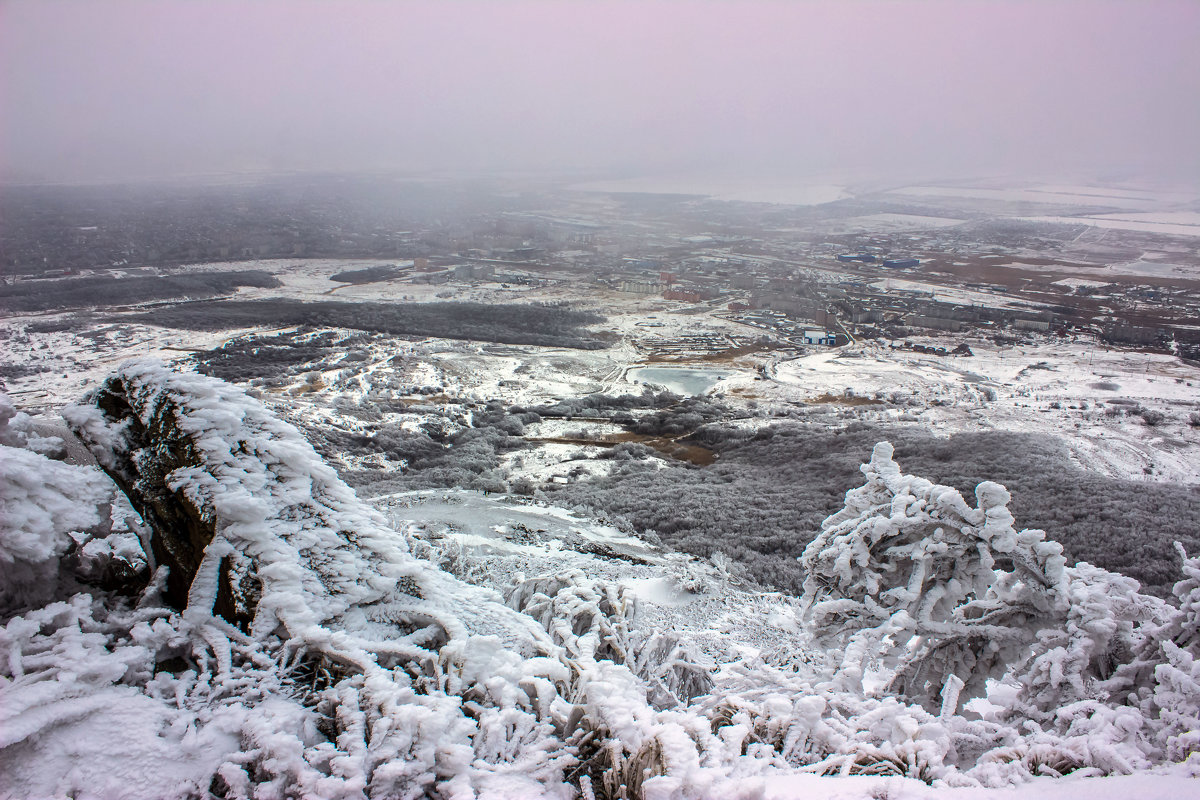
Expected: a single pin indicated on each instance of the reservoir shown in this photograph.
(681, 380)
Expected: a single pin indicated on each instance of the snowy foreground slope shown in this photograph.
(261, 632)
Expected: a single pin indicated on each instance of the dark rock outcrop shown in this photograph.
(255, 528)
(141, 463)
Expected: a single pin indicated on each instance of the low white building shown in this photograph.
(640, 287)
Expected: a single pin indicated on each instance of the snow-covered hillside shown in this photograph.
(304, 644)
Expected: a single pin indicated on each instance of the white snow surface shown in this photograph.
(1165, 785)
(365, 652)
(42, 501)
(1081, 196)
(1059, 388)
(1147, 223)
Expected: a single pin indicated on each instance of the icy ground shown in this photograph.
(716, 612)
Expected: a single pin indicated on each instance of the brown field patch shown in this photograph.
(726, 356)
(845, 400)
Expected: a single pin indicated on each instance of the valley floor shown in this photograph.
(1090, 395)
(1120, 413)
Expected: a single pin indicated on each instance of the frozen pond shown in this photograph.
(681, 380)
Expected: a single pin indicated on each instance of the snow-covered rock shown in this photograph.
(43, 505)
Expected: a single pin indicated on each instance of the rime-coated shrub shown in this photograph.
(1152, 416)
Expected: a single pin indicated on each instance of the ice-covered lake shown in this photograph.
(682, 380)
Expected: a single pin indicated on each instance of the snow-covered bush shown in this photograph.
(1152, 416)
(17, 429)
(46, 506)
(594, 621)
(914, 589)
(1106, 619)
(908, 558)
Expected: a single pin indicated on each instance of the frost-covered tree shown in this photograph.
(1159, 671)
(600, 621)
(937, 599)
(904, 578)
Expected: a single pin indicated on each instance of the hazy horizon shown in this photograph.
(845, 91)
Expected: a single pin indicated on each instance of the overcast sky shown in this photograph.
(100, 89)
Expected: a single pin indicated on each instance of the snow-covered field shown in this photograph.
(69, 362)
(956, 295)
(1167, 224)
(888, 222)
(1086, 196)
(1148, 266)
(1062, 388)
(1057, 388)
